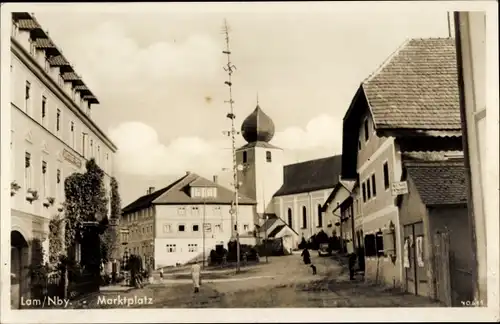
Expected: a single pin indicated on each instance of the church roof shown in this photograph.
(310, 175)
(257, 127)
(177, 193)
(258, 144)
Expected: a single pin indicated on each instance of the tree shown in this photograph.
(85, 204)
(109, 239)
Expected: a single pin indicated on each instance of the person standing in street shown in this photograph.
(195, 274)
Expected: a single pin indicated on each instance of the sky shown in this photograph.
(160, 80)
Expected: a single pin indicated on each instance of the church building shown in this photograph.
(291, 195)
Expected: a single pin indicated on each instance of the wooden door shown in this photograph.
(416, 269)
(442, 277)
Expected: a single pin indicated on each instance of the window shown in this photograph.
(192, 247)
(47, 65)
(44, 108)
(320, 217)
(91, 148)
(196, 228)
(98, 154)
(246, 227)
(27, 170)
(268, 156)
(386, 176)
(195, 211)
(44, 178)
(370, 245)
(374, 186)
(143, 230)
(167, 228)
(72, 134)
(244, 156)
(368, 189)
(364, 192)
(367, 132)
(235, 227)
(217, 210)
(171, 248)
(359, 145)
(289, 212)
(88, 107)
(304, 217)
(181, 228)
(58, 121)
(27, 96)
(84, 153)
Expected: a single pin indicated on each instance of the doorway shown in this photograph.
(19, 260)
(415, 264)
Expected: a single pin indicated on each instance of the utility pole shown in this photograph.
(203, 227)
(229, 68)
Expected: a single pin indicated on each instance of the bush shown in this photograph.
(250, 252)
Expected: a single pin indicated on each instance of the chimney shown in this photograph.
(151, 190)
(216, 179)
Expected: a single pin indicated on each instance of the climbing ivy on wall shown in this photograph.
(55, 240)
(85, 201)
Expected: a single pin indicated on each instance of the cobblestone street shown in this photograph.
(292, 285)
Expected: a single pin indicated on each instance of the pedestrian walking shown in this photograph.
(306, 256)
(196, 275)
(161, 274)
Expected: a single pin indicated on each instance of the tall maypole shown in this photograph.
(230, 68)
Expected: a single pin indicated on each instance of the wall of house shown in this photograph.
(259, 178)
(311, 201)
(331, 217)
(411, 211)
(454, 220)
(473, 43)
(380, 209)
(140, 225)
(30, 133)
(168, 235)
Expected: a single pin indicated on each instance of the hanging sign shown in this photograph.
(399, 188)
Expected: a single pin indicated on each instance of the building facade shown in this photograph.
(184, 221)
(398, 109)
(52, 136)
(306, 188)
(471, 60)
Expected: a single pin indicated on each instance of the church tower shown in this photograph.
(261, 171)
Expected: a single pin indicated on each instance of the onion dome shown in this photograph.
(257, 127)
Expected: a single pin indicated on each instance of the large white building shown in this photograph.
(52, 136)
(178, 223)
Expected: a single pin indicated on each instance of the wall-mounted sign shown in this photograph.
(399, 188)
(70, 157)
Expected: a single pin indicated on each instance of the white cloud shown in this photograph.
(141, 152)
(322, 131)
(110, 57)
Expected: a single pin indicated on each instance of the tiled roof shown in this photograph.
(268, 224)
(58, 60)
(147, 200)
(276, 230)
(439, 182)
(417, 87)
(258, 144)
(179, 194)
(311, 175)
(27, 24)
(201, 182)
(44, 43)
(349, 185)
(70, 76)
